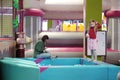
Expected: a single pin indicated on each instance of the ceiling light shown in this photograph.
(64, 2)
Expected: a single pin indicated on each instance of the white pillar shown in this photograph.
(84, 21)
(115, 24)
(115, 34)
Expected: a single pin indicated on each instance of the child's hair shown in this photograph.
(92, 21)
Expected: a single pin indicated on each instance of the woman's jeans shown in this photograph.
(44, 55)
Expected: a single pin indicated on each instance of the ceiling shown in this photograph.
(62, 11)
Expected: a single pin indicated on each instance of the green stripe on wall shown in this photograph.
(49, 24)
(93, 11)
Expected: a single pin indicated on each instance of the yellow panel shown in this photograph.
(69, 27)
(80, 27)
(65, 27)
(73, 27)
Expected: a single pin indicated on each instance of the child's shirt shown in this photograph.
(93, 31)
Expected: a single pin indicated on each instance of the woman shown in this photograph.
(39, 50)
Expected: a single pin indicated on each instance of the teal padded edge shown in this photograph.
(20, 61)
(18, 69)
(22, 69)
(80, 72)
(113, 71)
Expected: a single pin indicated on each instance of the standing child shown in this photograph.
(92, 41)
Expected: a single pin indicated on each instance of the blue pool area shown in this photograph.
(57, 69)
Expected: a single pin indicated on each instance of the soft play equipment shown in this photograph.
(113, 58)
(18, 69)
(66, 39)
(57, 68)
(118, 76)
(69, 27)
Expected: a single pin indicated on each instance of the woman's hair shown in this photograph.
(45, 37)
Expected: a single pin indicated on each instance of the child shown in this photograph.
(91, 34)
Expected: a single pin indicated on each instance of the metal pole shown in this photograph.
(21, 15)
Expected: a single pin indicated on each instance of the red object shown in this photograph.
(112, 13)
(93, 30)
(98, 25)
(92, 33)
(38, 60)
(33, 12)
(43, 68)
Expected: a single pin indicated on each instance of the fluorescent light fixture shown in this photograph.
(64, 2)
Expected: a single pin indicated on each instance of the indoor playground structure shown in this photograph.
(24, 22)
(57, 68)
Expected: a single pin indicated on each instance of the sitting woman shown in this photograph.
(39, 50)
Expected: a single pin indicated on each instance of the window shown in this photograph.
(62, 25)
